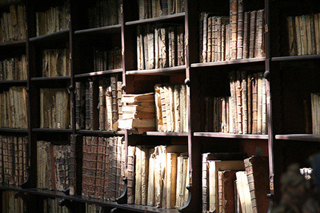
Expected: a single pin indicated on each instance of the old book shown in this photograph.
(240, 27)
(257, 169)
(260, 96)
(308, 34)
(162, 47)
(234, 27)
(244, 192)
(214, 36)
(183, 109)
(131, 174)
(239, 104)
(209, 39)
(226, 192)
(150, 43)
(264, 106)
(252, 38)
(244, 95)
(171, 173)
(249, 102)
(160, 163)
(138, 178)
(259, 41)
(140, 55)
(292, 35)
(180, 46)
(112, 169)
(151, 178)
(312, 43)
(233, 103)
(317, 31)
(298, 35)
(181, 180)
(303, 34)
(158, 104)
(255, 103)
(205, 183)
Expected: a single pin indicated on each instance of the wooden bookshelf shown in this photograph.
(289, 81)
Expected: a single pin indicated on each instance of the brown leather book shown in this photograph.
(257, 169)
(226, 191)
(131, 174)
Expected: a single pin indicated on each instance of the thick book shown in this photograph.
(252, 36)
(257, 169)
(234, 27)
(226, 189)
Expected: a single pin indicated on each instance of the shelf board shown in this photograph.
(157, 19)
(62, 34)
(13, 43)
(295, 58)
(98, 73)
(51, 130)
(175, 134)
(58, 78)
(14, 82)
(298, 137)
(221, 63)
(100, 30)
(161, 71)
(229, 135)
(98, 132)
(146, 209)
(12, 130)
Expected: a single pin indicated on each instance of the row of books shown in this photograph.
(107, 60)
(13, 108)
(54, 108)
(104, 13)
(13, 159)
(171, 108)
(160, 46)
(138, 112)
(13, 24)
(158, 8)
(92, 208)
(14, 68)
(245, 111)
(52, 20)
(304, 34)
(238, 36)
(56, 62)
(10, 204)
(51, 205)
(103, 167)
(315, 113)
(158, 176)
(104, 115)
(233, 184)
(53, 166)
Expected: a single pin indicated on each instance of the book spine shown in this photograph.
(298, 35)
(239, 103)
(259, 49)
(252, 38)
(244, 101)
(240, 30)
(234, 27)
(255, 104)
(209, 39)
(292, 36)
(205, 184)
(131, 175)
(249, 101)
(260, 86)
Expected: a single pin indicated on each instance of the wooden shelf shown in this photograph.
(178, 16)
(98, 132)
(100, 30)
(49, 130)
(229, 135)
(146, 209)
(233, 62)
(58, 78)
(13, 43)
(98, 73)
(163, 134)
(298, 137)
(14, 82)
(296, 58)
(161, 71)
(60, 35)
(13, 130)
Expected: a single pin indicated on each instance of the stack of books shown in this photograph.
(138, 112)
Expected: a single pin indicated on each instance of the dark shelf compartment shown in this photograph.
(229, 135)
(13, 130)
(60, 35)
(157, 19)
(98, 73)
(13, 43)
(7, 4)
(161, 71)
(14, 82)
(233, 62)
(162, 134)
(100, 30)
(58, 78)
(298, 137)
(98, 132)
(296, 58)
(48, 130)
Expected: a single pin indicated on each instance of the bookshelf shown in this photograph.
(107, 54)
